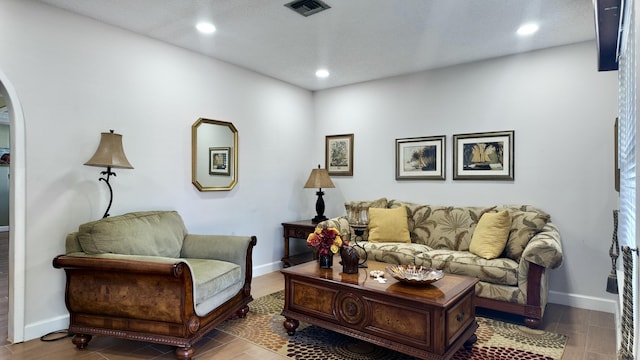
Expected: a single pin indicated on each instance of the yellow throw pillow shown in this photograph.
(388, 225)
(491, 235)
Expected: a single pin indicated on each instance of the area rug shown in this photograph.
(496, 339)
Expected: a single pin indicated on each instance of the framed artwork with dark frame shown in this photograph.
(219, 161)
(420, 158)
(483, 156)
(339, 155)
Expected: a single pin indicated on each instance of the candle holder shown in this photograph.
(358, 230)
(359, 222)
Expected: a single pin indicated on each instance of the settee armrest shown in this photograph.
(234, 249)
(217, 247)
(123, 263)
(341, 223)
(545, 248)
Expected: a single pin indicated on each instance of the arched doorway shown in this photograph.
(17, 213)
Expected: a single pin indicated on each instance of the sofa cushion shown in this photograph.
(379, 203)
(501, 271)
(388, 225)
(213, 276)
(442, 227)
(395, 253)
(524, 225)
(150, 233)
(491, 234)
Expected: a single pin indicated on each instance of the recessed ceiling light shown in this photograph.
(206, 28)
(322, 73)
(527, 29)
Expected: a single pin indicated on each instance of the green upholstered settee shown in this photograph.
(514, 282)
(141, 276)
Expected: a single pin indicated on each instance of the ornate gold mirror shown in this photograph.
(214, 155)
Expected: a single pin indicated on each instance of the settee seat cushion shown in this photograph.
(213, 277)
(501, 271)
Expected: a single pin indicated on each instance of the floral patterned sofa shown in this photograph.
(515, 282)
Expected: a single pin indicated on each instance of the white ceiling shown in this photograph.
(356, 40)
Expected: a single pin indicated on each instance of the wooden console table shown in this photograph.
(297, 230)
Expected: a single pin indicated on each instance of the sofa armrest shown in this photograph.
(341, 223)
(545, 248)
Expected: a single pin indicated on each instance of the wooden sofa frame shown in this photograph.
(531, 311)
(99, 298)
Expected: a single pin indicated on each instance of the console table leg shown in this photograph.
(469, 343)
(291, 325)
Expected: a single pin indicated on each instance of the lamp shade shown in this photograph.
(110, 153)
(319, 178)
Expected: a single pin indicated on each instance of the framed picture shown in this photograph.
(339, 155)
(219, 160)
(483, 156)
(420, 158)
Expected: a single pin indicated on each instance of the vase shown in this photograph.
(325, 260)
(350, 259)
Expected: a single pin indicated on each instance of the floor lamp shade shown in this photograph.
(110, 153)
(319, 178)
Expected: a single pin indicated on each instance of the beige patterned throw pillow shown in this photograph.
(379, 203)
(524, 225)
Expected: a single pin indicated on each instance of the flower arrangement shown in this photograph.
(326, 240)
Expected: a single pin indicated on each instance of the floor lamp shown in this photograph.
(110, 154)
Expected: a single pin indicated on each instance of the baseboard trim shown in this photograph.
(41, 328)
(4, 228)
(267, 268)
(583, 302)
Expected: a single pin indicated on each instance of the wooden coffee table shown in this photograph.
(430, 321)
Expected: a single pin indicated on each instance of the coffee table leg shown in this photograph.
(291, 325)
(469, 343)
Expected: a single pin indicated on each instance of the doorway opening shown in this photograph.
(17, 213)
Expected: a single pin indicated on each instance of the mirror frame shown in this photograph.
(194, 154)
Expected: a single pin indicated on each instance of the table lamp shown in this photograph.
(319, 178)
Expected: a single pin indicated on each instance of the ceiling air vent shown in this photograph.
(307, 7)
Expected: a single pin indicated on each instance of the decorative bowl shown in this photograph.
(414, 274)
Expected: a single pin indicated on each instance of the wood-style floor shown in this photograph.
(591, 334)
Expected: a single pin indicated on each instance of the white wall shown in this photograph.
(562, 111)
(76, 78)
